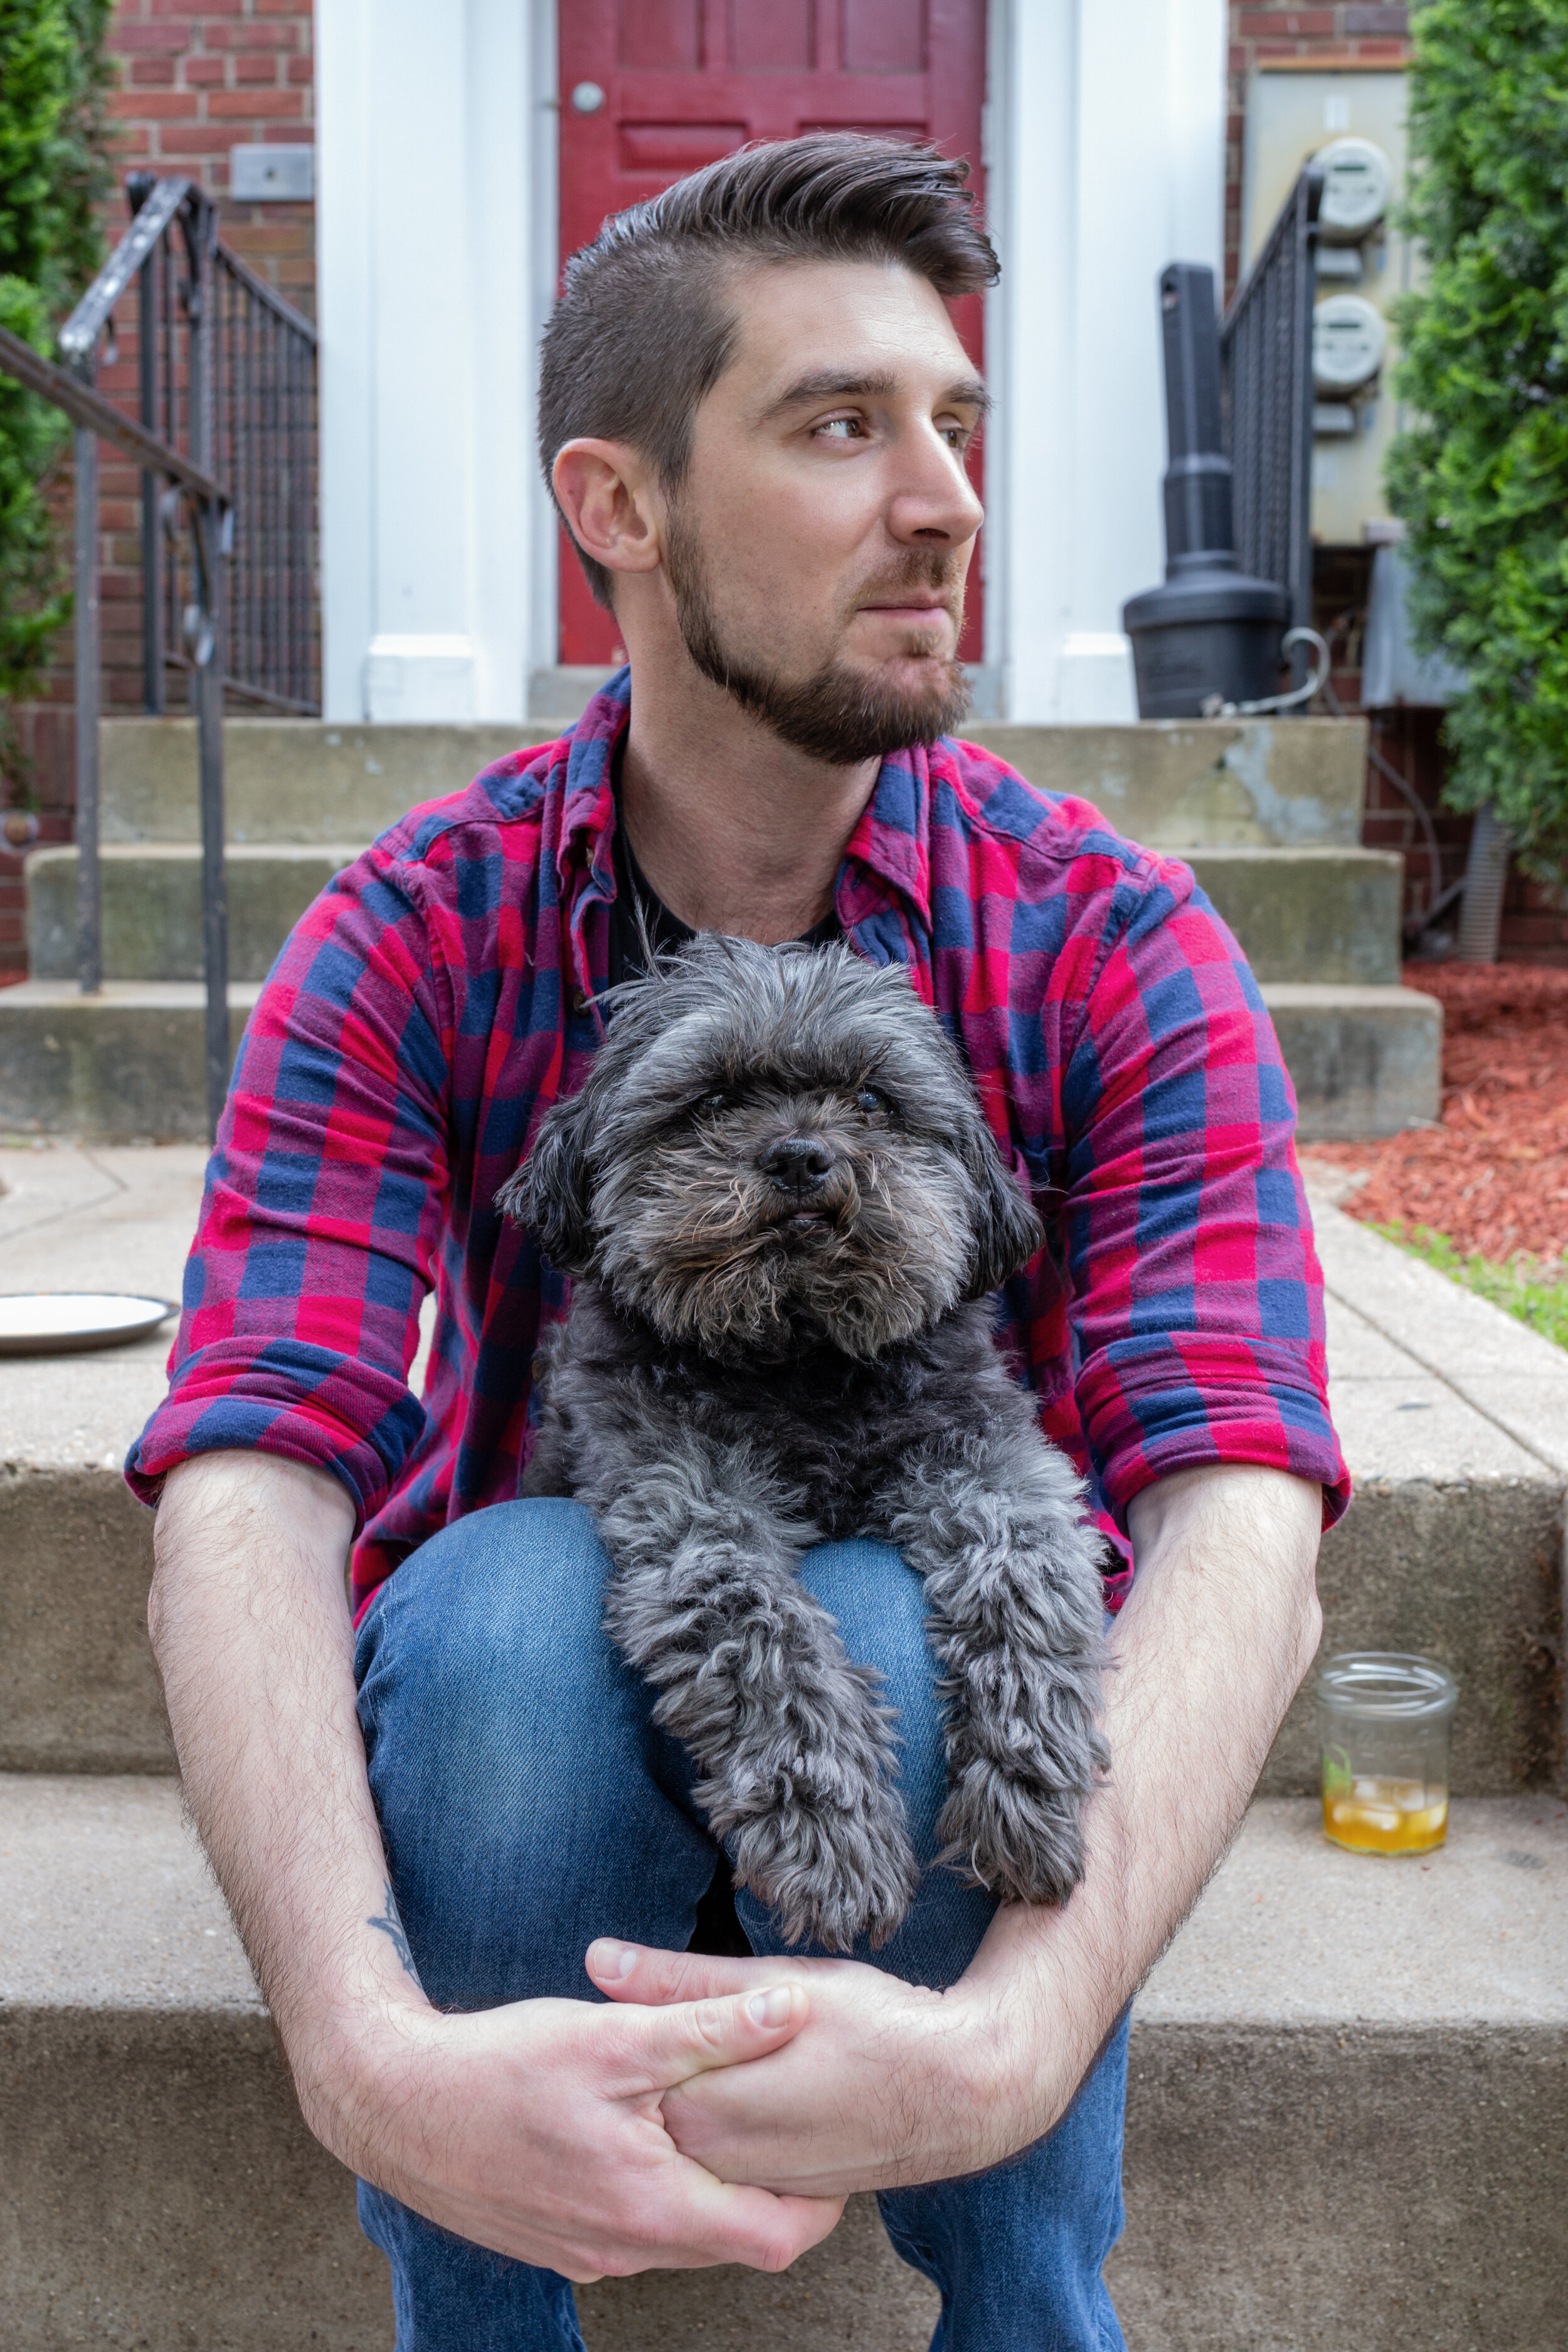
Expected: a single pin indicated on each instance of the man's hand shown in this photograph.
(536, 2130)
(888, 2085)
(533, 2129)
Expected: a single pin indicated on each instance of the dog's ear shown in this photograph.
(1007, 1232)
(549, 1192)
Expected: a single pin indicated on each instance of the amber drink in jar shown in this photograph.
(1385, 1724)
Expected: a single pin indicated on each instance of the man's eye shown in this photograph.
(870, 1099)
(842, 427)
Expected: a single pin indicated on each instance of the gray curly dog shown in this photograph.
(781, 1211)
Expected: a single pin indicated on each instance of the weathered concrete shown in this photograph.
(1363, 1061)
(1346, 2115)
(1319, 915)
(153, 907)
(288, 780)
(123, 1066)
(1299, 914)
(1177, 783)
(127, 1066)
(1170, 783)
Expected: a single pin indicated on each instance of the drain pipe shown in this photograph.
(1486, 876)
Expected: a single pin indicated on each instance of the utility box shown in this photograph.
(1351, 119)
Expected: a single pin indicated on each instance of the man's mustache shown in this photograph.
(937, 575)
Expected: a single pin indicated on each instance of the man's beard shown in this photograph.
(835, 716)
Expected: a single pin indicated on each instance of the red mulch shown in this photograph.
(1494, 1175)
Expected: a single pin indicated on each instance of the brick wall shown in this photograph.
(194, 81)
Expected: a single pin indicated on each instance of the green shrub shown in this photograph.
(53, 171)
(1482, 478)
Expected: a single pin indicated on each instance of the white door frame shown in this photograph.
(437, 261)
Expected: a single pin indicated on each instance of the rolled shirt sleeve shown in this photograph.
(323, 1205)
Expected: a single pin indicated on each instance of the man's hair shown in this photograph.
(647, 322)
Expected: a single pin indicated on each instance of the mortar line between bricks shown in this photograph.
(1397, 1340)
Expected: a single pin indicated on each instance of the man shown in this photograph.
(440, 1846)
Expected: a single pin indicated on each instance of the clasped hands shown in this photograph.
(716, 2111)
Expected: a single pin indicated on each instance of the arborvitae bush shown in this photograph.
(53, 79)
(1481, 476)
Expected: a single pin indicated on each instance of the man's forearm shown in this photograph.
(532, 2128)
(1221, 1626)
(251, 1630)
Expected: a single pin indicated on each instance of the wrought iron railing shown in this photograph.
(225, 442)
(1265, 357)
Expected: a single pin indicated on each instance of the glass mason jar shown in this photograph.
(1385, 1727)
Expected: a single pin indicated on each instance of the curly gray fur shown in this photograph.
(783, 1212)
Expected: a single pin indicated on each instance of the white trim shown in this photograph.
(1107, 130)
(427, 235)
(543, 268)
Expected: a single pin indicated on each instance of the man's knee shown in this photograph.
(497, 1599)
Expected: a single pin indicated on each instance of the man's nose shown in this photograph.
(797, 1164)
(935, 501)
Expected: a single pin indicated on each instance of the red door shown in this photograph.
(685, 81)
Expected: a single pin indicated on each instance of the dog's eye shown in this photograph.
(716, 1101)
(869, 1099)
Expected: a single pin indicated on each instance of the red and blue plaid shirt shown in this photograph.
(438, 997)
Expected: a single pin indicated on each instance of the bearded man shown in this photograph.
(491, 1920)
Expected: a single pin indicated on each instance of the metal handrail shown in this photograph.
(1265, 357)
(226, 366)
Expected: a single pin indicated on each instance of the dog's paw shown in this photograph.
(827, 1874)
(1009, 1832)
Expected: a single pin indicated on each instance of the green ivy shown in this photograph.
(1481, 480)
(54, 81)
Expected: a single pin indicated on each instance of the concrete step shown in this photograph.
(1323, 915)
(127, 1064)
(123, 1066)
(1454, 1419)
(1328, 916)
(1363, 1061)
(153, 907)
(1346, 2119)
(1172, 783)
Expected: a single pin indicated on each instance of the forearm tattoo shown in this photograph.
(390, 1925)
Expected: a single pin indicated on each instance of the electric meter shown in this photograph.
(1349, 340)
(1358, 183)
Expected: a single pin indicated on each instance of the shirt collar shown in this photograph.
(890, 844)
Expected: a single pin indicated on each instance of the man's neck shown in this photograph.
(736, 831)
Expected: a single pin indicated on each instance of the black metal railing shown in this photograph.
(225, 442)
(1265, 356)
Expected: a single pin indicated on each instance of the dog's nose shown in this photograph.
(797, 1163)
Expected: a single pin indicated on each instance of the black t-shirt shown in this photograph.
(666, 930)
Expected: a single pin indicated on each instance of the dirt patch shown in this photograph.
(1494, 1175)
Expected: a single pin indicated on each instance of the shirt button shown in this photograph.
(581, 1001)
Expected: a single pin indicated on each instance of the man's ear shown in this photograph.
(549, 1192)
(604, 490)
(1006, 1233)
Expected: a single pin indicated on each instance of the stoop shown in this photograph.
(1267, 813)
(1347, 2124)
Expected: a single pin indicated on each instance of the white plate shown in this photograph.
(62, 1322)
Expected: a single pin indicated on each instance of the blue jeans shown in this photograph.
(530, 1804)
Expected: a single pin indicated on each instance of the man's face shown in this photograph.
(817, 549)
